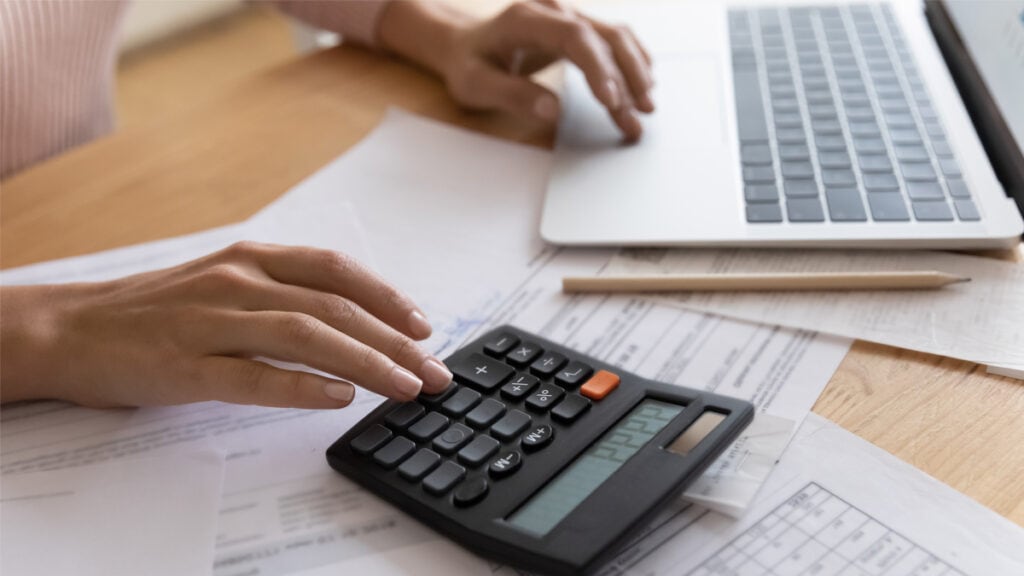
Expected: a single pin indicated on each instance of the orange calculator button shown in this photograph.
(600, 385)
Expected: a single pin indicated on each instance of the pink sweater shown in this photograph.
(57, 62)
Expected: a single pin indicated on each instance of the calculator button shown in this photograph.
(452, 439)
(461, 402)
(547, 364)
(394, 452)
(505, 464)
(427, 427)
(372, 438)
(400, 418)
(501, 344)
(485, 414)
(482, 372)
(524, 353)
(538, 438)
(519, 386)
(442, 479)
(573, 374)
(600, 385)
(431, 400)
(419, 465)
(511, 425)
(470, 492)
(479, 450)
(545, 397)
(571, 408)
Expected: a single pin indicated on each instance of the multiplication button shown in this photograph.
(524, 353)
(544, 398)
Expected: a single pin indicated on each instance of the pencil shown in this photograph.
(915, 280)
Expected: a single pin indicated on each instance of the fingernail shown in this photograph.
(436, 375)
(546, 108)
(405, 382)
(611, 95)
(418, 325)
(340, 391)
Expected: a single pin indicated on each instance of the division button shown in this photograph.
(573, 374)
(479, 450)
(547, 364)
(470, 492)
(400, 418)
(544, 398)
(501, 344)
(461, 402)
(571, 408)
(538, 438)
(524, 353)
(486, 413)
(372, 438)
(453, 438)
(519, 386)
(427, 427)
(419, 465)
(511, 425)
(600, 385)
(394, 452)
(482, 372)
(505, 464)
(442, 479)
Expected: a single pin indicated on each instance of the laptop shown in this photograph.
(869, 125)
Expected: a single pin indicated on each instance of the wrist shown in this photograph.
(30, 331)
(423, 33)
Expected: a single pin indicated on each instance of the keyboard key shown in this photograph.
(864, 128)
(941, 148)
(905, 136)
(538, 438)
(827, 127)
(479, 450)
(544, 398)
(910, 153)
(441, 480)
(838, 178)
(966, 209)
(505, 464)
(860, 114)
(794, 152)
(570, 409)
(789, 120)
(485, 414)
(600, 385)
(797, 170)
(501, 344)
(880, 182)
(917, 171)
(400, 418)
(573, 374)
(470, 492)
(932, 210)
(511, 425)
(830, 142)
(790, 136)
(869, 145)
(934, 129)
(844, 205)
(371, 439)
(547, 364)
(482, 372)
(524, 354)
(874, 163)
(421, 463)
(899, 120)
(804, 210)
(924, 191)
(461, 402)
(823, 111)
(801, 188)
(761, 193)
(519, 386)
(958, 189)
(394, 452)
(949, 167)
(756, 154)
(455, 437)
(436, 399)
(757, 213)
(834, 160)
(750, 115)
(427, 427)
(888, 207)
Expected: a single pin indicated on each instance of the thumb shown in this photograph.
(491, 88)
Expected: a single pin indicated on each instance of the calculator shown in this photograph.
(538, 456)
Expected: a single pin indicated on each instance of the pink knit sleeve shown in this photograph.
(355, 20)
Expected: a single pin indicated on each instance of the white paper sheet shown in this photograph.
(980, 321)
(154, 516)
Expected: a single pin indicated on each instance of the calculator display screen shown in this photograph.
(559, 498)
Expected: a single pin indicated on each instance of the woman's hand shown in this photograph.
(190, 333)
(486, 64)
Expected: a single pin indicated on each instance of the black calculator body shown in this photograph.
(538, 456)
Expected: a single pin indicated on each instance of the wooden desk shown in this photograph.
(222, 160)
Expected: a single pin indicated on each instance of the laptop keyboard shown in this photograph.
(835, 123)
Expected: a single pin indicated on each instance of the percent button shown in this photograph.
(544, 398)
